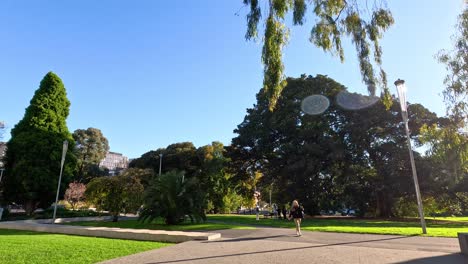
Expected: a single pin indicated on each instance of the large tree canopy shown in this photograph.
(91, 147)
(35, 148)
(352, 158)
(335, 19)
(178, 156)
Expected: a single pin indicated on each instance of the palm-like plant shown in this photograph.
(173, 197)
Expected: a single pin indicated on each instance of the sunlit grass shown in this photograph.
(159, 225)
(451, 218)
(35, 247)
(354, 225)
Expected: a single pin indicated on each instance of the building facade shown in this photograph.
(2, 153)
(114, 162)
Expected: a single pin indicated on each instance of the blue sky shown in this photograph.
(152, 73)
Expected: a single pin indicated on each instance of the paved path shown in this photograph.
(108, 232)
(276, 245)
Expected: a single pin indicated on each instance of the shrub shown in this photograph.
(173, 197)
(443, 206)
(117, 194)
(75, 194)
(231, 201)
(462, 197)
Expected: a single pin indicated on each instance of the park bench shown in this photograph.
(463, 240)
(269, 215)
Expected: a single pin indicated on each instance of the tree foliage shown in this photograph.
(117, 194)
(212, 176)
(75, 194)
(206, 164)
(35, 148)
(172, 196)
(178, 156)
(91, 147)
(456, 81)
(448, 139)
(352, 158)
(335, 19)
(145, 176)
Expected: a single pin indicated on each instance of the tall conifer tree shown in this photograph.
(35, 148)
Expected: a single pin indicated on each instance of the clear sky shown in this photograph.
(151, 73)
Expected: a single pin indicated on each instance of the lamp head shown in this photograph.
(401, 89)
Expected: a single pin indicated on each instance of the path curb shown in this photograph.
(109, 232)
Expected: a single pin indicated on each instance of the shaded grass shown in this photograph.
(159, 225)
(47, 214)
(407, 227)
(451, 218)
(35, 247)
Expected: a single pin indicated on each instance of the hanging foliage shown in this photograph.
(335, 19)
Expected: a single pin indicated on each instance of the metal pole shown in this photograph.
(415, 176)
(64, 152)
(271, 187)
(401, 89)
(160, 163)
(270, 197)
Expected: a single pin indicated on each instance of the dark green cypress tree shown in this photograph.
(34, 151)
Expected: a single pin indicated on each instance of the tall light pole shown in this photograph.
(271, 187)
(64, 152)
(401, 89)
(160, 163)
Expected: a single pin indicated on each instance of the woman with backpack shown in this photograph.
(297, 213)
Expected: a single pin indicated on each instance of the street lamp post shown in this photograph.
(401, 89)
(64, 152)
(160, 163)
(270, 196)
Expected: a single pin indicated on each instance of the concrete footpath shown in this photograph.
(107, 232)
(276, 245)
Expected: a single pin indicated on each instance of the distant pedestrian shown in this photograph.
(285, 212)
(257, 212)
(297, 213)
(257, 206)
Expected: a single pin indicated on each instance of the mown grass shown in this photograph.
(451, 218)
(159, 225)
(438, 227)
(449, 227)
(47, 214)
(36, 247)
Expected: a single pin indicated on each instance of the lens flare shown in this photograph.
(315, 104)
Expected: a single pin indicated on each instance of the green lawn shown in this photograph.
(47, 214)
(411, 227)
(438, 227)
(159, 225)
(451, 218)
(35, 247)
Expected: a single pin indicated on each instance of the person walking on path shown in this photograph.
(297, 213)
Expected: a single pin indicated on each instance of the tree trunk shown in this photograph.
(30, 207)
(115, 217)
(384, 208)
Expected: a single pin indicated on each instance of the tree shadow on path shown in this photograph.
(291, 249)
